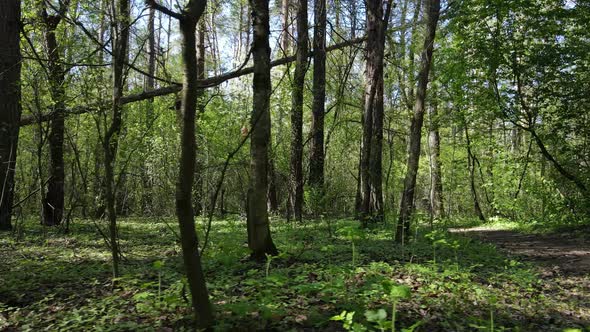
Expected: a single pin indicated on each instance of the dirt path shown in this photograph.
(566, 254)
(563, 262)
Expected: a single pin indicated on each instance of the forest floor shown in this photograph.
(330, 276)
(565, 253)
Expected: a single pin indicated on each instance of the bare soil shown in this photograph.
(562, 260)
(565, 254)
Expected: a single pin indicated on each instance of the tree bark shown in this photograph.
(189, 18)
(316, 160)
(111, 139)
(259, 237)
(198, 199)
(53, 202)
(285, 38)
(10, 104)
(436, 187)
(146, 177)
(296, 185)
(471, 166)
(407, 200)
(371, 206)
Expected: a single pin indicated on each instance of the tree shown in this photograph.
(436, 187)
(10, 104)
(371, 199)
(296, 185)
(407, 201)
(198, 199)
(316, 159)
(188, 19)
(471, 160)
(53, 202)
(259, 237)
(111, 137)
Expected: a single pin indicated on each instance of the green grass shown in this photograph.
(51, 281)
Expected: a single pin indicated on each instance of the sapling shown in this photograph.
(352, 234)
(158, 266)
(268, 261)
(396, 293)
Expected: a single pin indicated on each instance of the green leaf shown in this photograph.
(158, 264)
(400, 292)
(376, 316)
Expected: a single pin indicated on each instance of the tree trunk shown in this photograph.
(53, 202)
(285, 38)
(259, 237)
(565, 173)
(316, 160)
(471, 166)
(10, 104)
(436, 188)
(111, 139)
(189, 18)
(296, 185)
(146, 177)
(407, 201)
(198, 199)
(184, 186)
(372, 145)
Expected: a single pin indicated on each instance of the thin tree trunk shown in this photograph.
(296, 185)
(147, 184)
(259, 237)
(189, 18)
(53, 202)
(10, 105)
(198, 199)
(111, 139)
(471, 165)
(316, 160)
(285, 38)
(407, 201)
(436, 187)
(565, 173)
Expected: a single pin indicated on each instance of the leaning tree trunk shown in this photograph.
(259, 238)
(316, 160)
(296, 185)
(189, 18)
(371, 206)
(436, 190)
(10, 106)
(471, 166)
(407, 201)
(53, 202)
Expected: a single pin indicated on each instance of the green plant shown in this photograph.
(353, 234)
(395, 293)
(346, 317)
(268, 261)
(158, 265)
(379, 317)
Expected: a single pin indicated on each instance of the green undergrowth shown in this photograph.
(330, 275)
